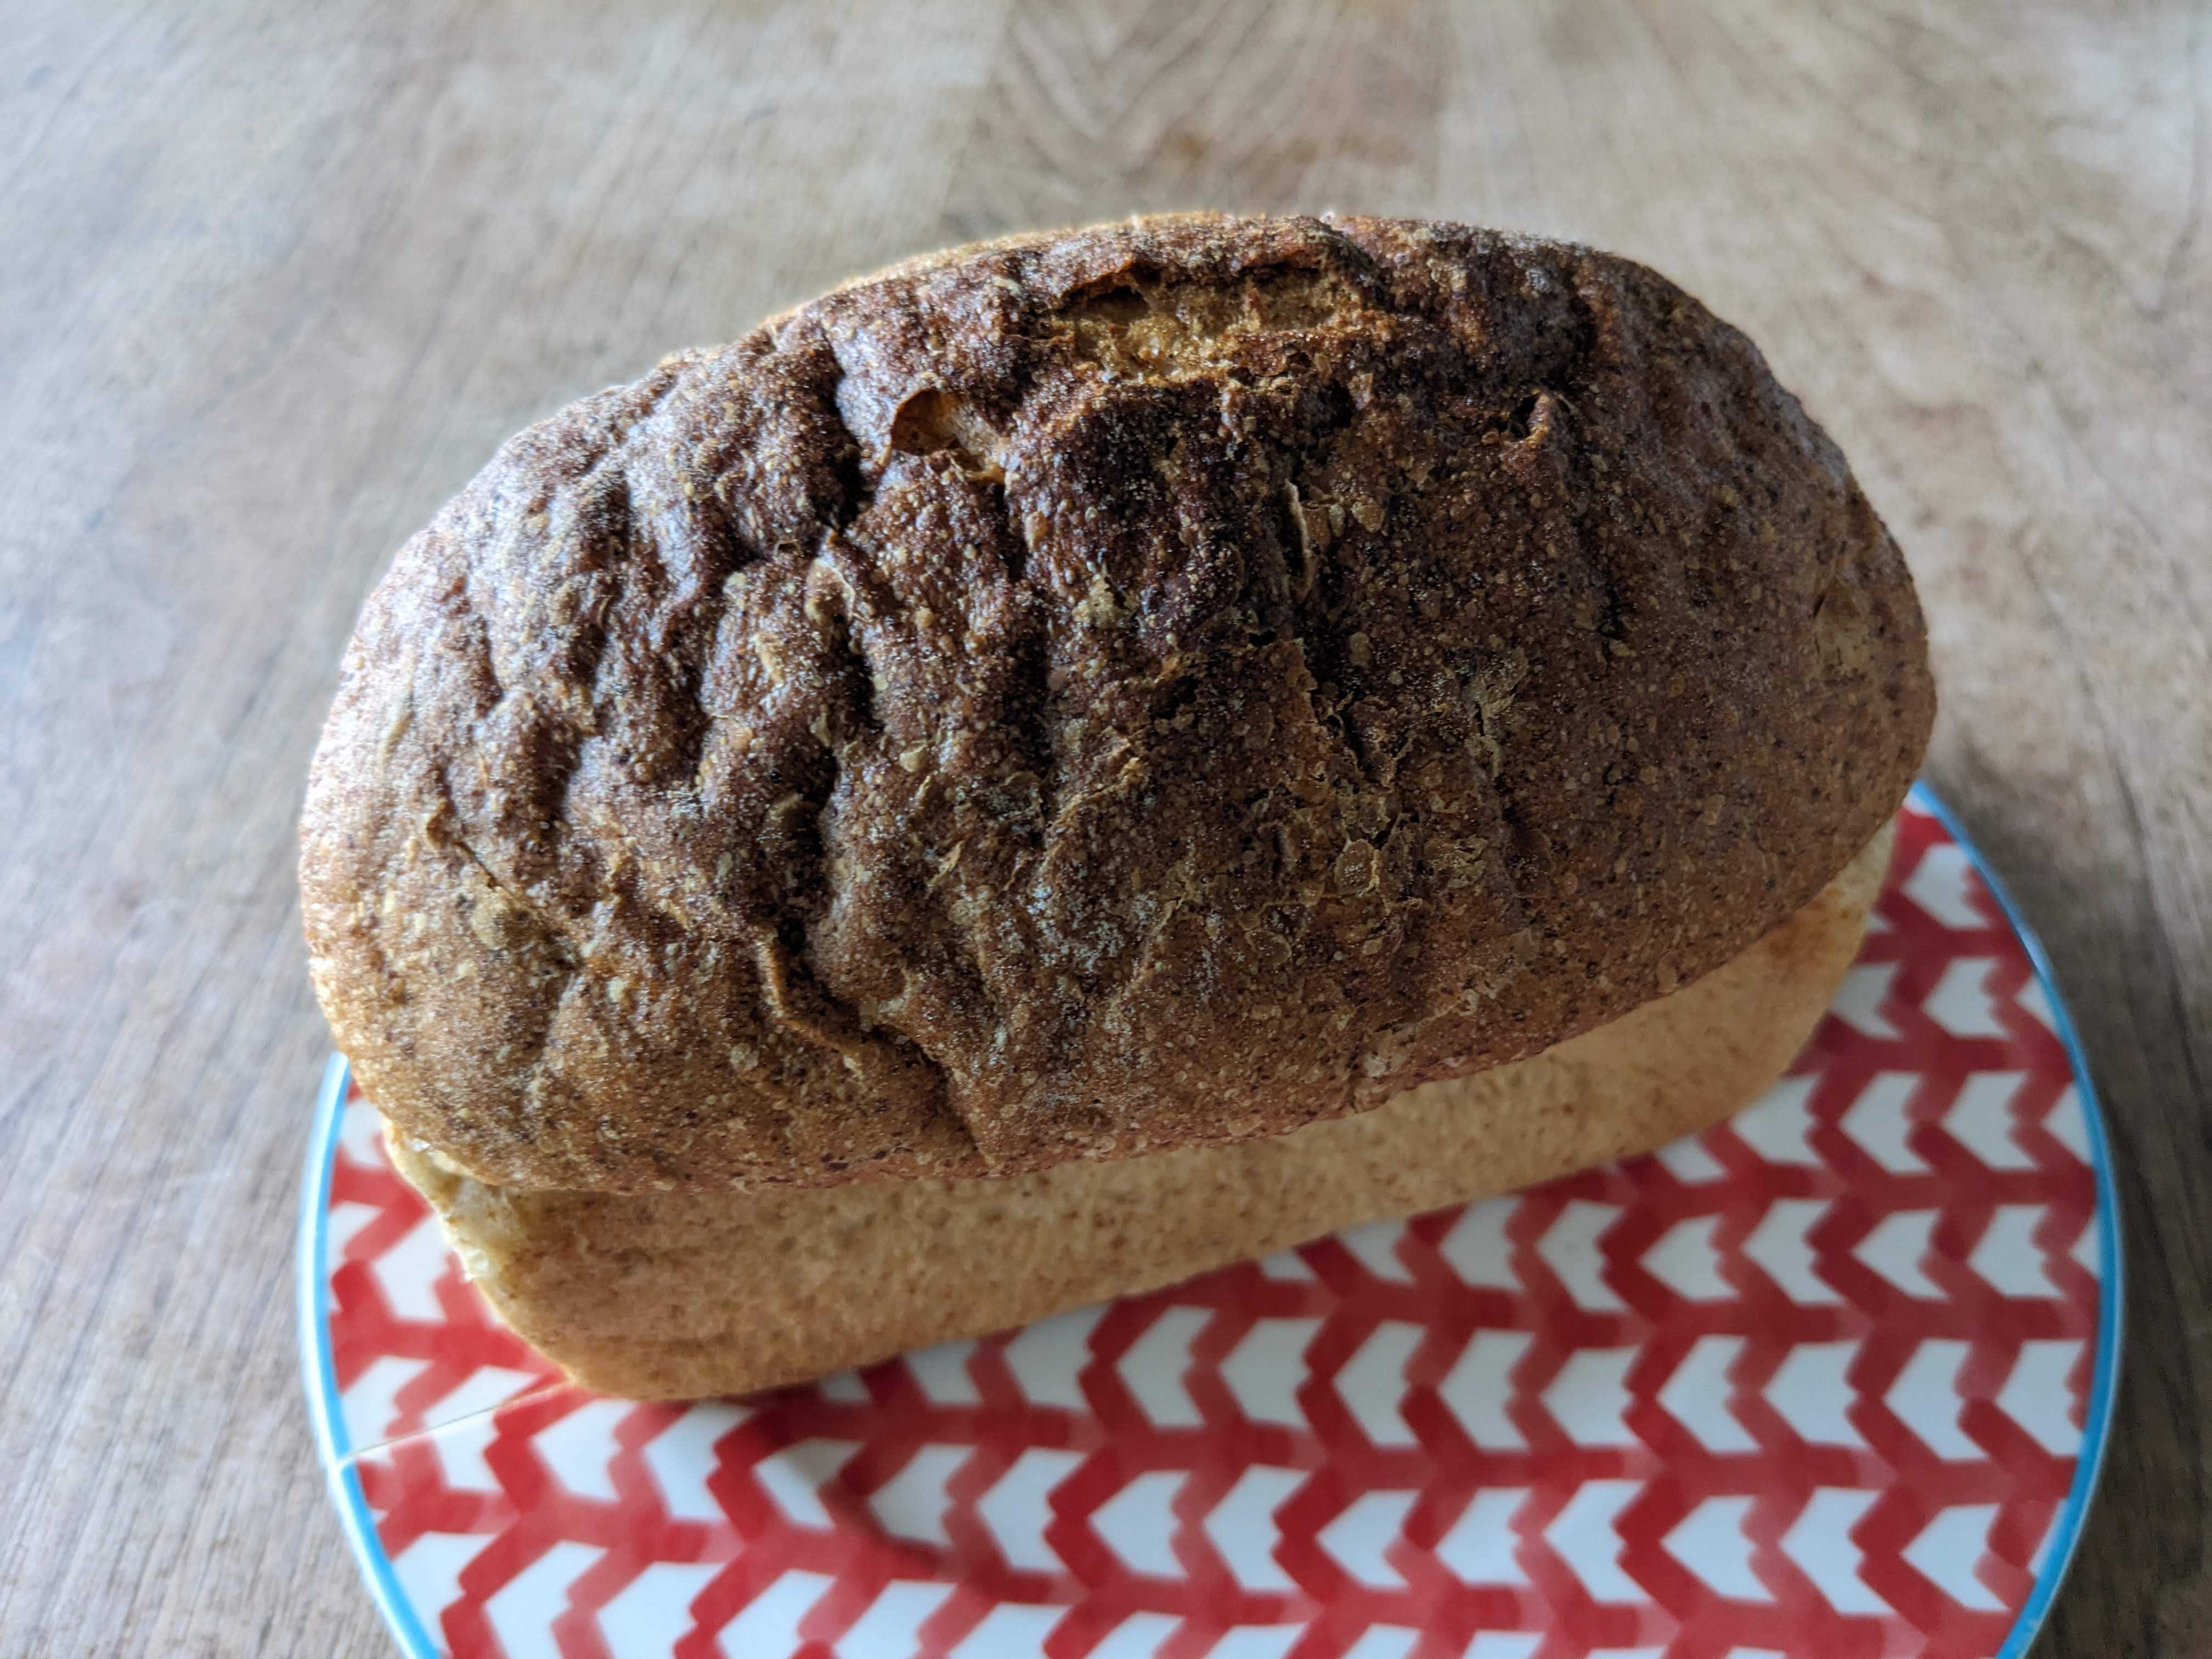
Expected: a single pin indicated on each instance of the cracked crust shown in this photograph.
(1156, 684)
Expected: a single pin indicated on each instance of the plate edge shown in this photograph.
(318, 1378)
(2112, 1277)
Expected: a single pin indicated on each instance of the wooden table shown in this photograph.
(275, 279)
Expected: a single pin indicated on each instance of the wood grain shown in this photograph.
(275, 279)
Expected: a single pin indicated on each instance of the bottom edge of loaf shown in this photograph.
(681, 1295)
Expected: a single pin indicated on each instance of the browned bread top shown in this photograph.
(1162, 683)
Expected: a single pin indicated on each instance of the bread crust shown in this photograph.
(1146, 686)
(680, 1295)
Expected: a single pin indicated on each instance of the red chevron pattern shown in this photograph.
(1812, 1383)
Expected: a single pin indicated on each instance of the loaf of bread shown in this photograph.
(1092, 694)
(1052, 729)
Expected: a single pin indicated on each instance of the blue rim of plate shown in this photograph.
(333, 1446)
(2111, 1284)
(336, 1453)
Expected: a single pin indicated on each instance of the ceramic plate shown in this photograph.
(1829, 1380)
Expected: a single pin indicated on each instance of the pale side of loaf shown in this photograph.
(684, 1294)
(1093, 693)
